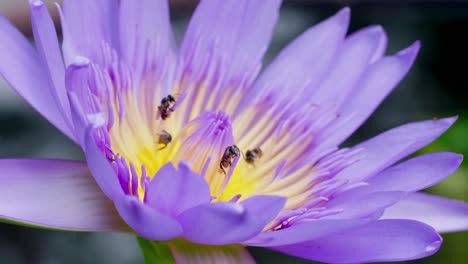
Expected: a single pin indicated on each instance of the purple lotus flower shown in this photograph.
(193, 146)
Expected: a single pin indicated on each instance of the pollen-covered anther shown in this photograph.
(205, 142)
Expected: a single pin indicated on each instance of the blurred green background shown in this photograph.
(437, 86)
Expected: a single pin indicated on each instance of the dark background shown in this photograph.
(436, 86)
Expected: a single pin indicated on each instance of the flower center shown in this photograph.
(265, 149)
(206, 142)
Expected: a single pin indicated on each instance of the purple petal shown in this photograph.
(48, 48)
(146, 221)
(87, 24)
(384, 240)
(101, 169)
(377, 82)
(143, 23)
(236, 222)
(186, 252)
(303, 232)
(76, 78)
(304, 62)
(387, 148)
(238, 30)
(55, 194)
(382, 47)
(417, 173)
(443, 214)
(171, 192)
(23, 70)
(351, 61)
(223, 48)
(362, 204)
(264, 207)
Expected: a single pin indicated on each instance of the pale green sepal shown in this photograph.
(184, 252)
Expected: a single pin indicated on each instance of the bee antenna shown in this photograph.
(163, 147)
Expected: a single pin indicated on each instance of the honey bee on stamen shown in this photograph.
(230, 154)
(252, 155)
(164, 138)
(165, 108)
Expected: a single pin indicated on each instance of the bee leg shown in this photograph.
(163, 147)
(222, 168)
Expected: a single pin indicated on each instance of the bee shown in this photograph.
(165, 108)
(252, 155)
(164, 138)
(230, 154)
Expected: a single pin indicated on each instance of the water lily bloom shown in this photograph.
(199, 146)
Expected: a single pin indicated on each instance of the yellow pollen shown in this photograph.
(135, 137)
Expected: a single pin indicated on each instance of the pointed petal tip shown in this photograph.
(416, 45)
(447, 121)
(345, 12)
(378, 38)
(338, 22)
(282, 199)
(184, 165)
(434, 246)
(238, 209)
(340, 18)
(274, 202)
(279, 201)
(80, 61)
(36, 3)
(410, 52)
(343, 16)
(456, 158)
(171, 166)
(376, 31)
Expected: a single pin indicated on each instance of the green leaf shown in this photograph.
(454, 140)
(156, 252)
